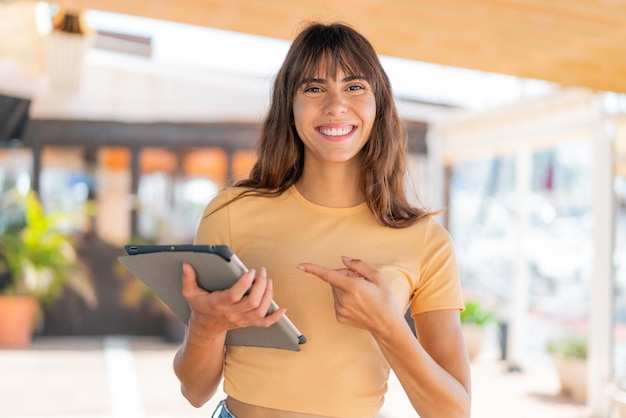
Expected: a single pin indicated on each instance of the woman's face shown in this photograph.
(334, 117)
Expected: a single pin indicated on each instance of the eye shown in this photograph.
(312, 89)
(357, 88)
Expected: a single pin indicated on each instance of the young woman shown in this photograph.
(324, 224)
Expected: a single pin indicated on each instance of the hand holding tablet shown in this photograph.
(217, 268)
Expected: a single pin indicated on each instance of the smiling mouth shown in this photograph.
(336, 131)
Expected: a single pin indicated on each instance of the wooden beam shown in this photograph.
(55, 132)
(570, 42)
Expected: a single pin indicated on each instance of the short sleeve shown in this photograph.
(214, 228)
(439, 285)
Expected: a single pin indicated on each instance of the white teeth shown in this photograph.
(335, 131)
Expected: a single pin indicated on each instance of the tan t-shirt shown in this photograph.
(340, 371)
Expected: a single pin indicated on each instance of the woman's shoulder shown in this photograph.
(235, 195)
(429, 228)
(223, 198)
(231, 192)
(434, 234)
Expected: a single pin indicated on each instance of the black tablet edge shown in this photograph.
(222, 250)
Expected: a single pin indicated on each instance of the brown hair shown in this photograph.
(281, 152)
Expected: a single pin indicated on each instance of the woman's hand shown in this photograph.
(362, 298)
(244, 304)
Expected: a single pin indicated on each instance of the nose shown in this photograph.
(335, 103)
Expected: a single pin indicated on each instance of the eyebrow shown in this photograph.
(324, 81)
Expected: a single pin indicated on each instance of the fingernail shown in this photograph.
(347, 259)
(301, 267)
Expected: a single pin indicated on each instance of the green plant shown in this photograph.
(39, 257)
(476, 313)
(568, 346)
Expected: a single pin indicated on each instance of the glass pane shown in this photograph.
(15, 169)
(549, 246)
(65, 186)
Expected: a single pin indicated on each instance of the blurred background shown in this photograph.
(119, 121)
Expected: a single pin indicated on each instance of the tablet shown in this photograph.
(217, 268)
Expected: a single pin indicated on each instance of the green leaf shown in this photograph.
(41, 258)
(475, 313)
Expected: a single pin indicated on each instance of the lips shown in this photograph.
(336, 131)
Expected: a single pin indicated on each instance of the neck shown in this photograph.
(331, 187)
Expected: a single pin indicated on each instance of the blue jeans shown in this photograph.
(222, 411)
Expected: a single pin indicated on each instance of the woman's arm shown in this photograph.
(434, 370)
(199, 362)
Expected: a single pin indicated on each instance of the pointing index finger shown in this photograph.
(315, 269)
(330, 276)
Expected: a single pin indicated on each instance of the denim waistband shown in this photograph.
(221, 411)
